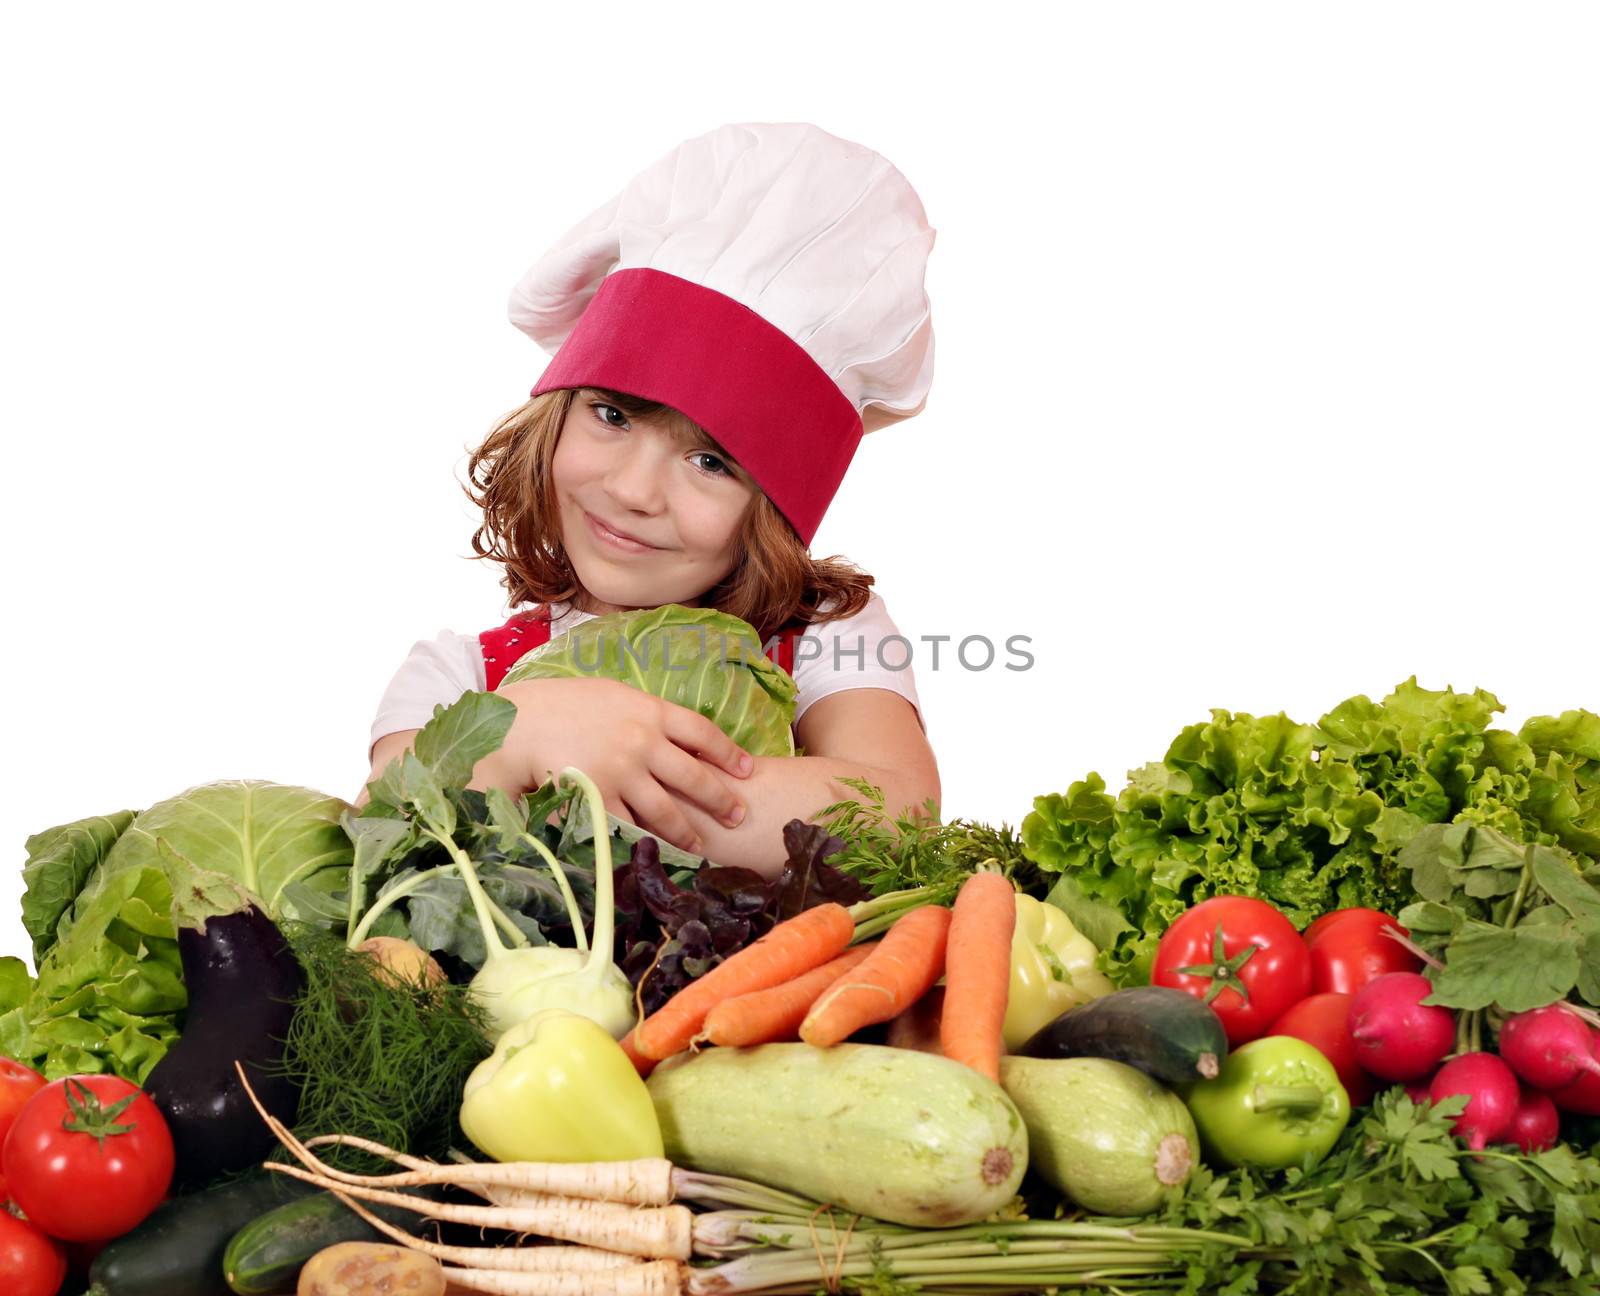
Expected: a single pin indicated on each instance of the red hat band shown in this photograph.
(747, 383)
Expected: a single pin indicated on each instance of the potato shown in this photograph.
(403, 962)
(370, 1269)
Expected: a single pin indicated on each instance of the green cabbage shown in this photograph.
(699, 658)
(99, 908)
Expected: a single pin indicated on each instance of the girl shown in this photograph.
(724, 330)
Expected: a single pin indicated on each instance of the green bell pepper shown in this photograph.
(1277, 1102)
(558, 1088)
(1052, 970)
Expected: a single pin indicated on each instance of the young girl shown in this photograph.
(724, 331)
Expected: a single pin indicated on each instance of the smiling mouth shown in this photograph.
(617, 537)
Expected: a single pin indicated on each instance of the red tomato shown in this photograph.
(1323, 1021)
(1348, 949)
(1338, 916)
(17, 1084)
(31, 1263)
(88, 1158)
(1242, 957)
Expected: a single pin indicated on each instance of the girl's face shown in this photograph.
(681, 504)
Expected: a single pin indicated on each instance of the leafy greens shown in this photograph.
(1308, 817)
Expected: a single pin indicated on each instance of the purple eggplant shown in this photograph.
(242, 981)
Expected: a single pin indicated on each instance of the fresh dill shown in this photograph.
(377, 1059)
(914, 849)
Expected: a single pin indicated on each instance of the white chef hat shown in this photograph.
(766, 280)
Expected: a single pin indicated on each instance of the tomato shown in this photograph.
(88, 1158)
(31, 1263)
(1323, 1021)
(1348, 949)
(17, 1084)
(1242, 957)
(1338, 916)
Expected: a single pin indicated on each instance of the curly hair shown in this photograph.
(776, 585)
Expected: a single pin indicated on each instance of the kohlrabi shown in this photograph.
(514, 983)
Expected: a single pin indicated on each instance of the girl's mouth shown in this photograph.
(608, 537)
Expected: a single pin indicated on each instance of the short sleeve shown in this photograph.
(436, 672)
(866, 650)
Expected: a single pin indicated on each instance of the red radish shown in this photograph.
(1396, 1036)
(1535, 1124)
(1548, 1047)
(1323, 1021)
(1493, 1093)
(1582, 1096)
(1417, 1090)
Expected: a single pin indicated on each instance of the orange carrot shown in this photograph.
(643, 1065)
(792, 948)
(767, 1015)
(907, 961)
(977, 973)
(917, 1028)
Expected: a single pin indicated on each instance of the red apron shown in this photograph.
(504, 645)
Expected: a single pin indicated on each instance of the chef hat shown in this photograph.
(766, 280)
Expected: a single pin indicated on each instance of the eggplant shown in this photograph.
(243, 981)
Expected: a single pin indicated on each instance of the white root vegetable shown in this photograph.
(538, 1259)
(658, 1278)
(659, 1232)
(647, 1182)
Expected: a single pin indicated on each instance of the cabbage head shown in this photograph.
(699, 658)
(109, 994)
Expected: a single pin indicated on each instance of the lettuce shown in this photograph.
(99, 908)
(705, 660)
(1308, 817)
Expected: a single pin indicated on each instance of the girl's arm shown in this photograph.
(860, 733)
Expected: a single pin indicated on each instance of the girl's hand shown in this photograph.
(638, 749)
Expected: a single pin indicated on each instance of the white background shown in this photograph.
(1267, 358)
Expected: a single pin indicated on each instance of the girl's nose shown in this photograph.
(635, 480)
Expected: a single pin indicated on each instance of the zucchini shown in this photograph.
(267, 1254)
(1105, 1134)
(1167, 1034)
(177, 1250)
(896, 1135)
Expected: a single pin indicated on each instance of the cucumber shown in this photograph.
(1166, 1033)
(177, 1250)
(1105, 1134)
(901, 1136)
(267, 1254)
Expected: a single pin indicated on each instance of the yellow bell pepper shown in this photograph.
(558, 1088)
(1052, 970)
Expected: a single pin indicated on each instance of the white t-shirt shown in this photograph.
(862, 651)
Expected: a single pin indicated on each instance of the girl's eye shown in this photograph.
(717, 469)
(602, 410)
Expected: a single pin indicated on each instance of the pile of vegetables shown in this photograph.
(1310, 818)
(1307, 1008)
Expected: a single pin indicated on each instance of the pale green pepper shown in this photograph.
(1052, 970)
(558, 1088)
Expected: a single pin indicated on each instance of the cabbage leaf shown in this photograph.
(699, 658)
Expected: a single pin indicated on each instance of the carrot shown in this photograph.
(906, 963)
(917, 1028)
(977, 973)
(763, 1016)
(792, 948)
(643, 1065)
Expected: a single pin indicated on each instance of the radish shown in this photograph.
(1398, 1037)
(1493, 1093)
(1417, 1090)
(1582, 1096)
(1548, 1047)
(1535, 1124)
